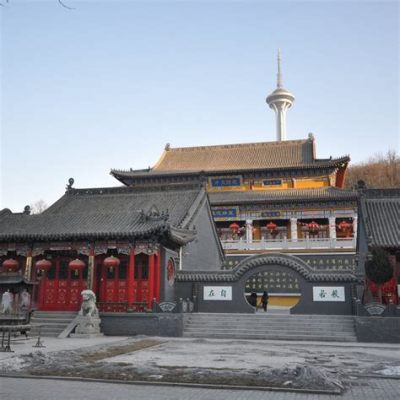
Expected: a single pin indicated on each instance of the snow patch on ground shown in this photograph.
(390, 371)
(13, 364)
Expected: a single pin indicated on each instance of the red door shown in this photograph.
(60, 288)
(141, 283)
(111, 288)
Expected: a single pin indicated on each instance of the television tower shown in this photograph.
(280, 100)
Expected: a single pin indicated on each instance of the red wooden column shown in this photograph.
(157, 276)
(131, 279)
(151, 281)
(28, 266)
(103, 283)
(90, 284)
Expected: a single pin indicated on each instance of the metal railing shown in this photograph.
(281, 244)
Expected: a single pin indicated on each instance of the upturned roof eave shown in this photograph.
(327, 197)
(334, 163)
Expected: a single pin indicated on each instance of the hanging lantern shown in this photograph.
(345, 226)
(313, 227)
(76, 266)
(234, 227)
(10, 264)
(111, 263)
(43, 265)
(271, 226)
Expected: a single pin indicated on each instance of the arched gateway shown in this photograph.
(223, 291)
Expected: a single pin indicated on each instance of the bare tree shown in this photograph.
(4, 2)
(38, 207)
(379, 171)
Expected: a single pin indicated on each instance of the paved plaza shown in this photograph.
(323, 370)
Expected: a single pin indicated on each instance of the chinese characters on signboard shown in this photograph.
(222, 213)
(339, 263)
(272, 182)
(217, 293)
(328, 293)
(273, 282)
(226, 182)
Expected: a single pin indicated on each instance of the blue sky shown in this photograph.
(108, 84)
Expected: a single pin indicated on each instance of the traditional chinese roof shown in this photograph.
(319, 194)
(380, 211)
(109, 213)
(253, 262)
(234, 158)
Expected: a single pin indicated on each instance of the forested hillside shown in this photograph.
(379, 171)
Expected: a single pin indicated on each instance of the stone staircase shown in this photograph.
(52, 323)
(274, 326)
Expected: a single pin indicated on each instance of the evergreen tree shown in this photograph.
(379, 269)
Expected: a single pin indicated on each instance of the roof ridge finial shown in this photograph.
(279, 79)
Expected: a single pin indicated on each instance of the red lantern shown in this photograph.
(345, 226)
(234, 227)
(313, 227)
(111, 262)
(76, 265)
(10, 264)
(271, 226)
(43, 265)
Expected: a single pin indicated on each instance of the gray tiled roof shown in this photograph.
(105, 213)
(381, 215)
(320, 194)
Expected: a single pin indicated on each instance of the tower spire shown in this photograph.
(279, 79)
(280, 100)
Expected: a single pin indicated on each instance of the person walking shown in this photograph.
(264, 300)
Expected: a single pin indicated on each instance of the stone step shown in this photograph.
(51, 323)
(316, 338)
(270, 328)
(263, 326)
(261, 315)
(53, 315)
(265, 322)
(270, 323)
(51, 320)
(243, 332)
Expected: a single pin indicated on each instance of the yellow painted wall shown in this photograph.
(283, 301)
(312, 183)
(298, 183)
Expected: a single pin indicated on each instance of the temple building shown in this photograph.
(268, 197)
(211, 224)
(122, 243)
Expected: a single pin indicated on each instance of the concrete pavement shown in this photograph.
(357, 367)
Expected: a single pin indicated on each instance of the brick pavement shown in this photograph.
(43, 389)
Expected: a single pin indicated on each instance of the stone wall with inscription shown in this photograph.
(273, 281)
(341, 263)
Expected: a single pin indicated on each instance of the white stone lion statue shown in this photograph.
(88, 306)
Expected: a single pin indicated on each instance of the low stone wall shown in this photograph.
(378, 329)
(151, 324)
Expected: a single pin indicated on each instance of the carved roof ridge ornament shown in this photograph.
(154, 214)
(69, 185)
